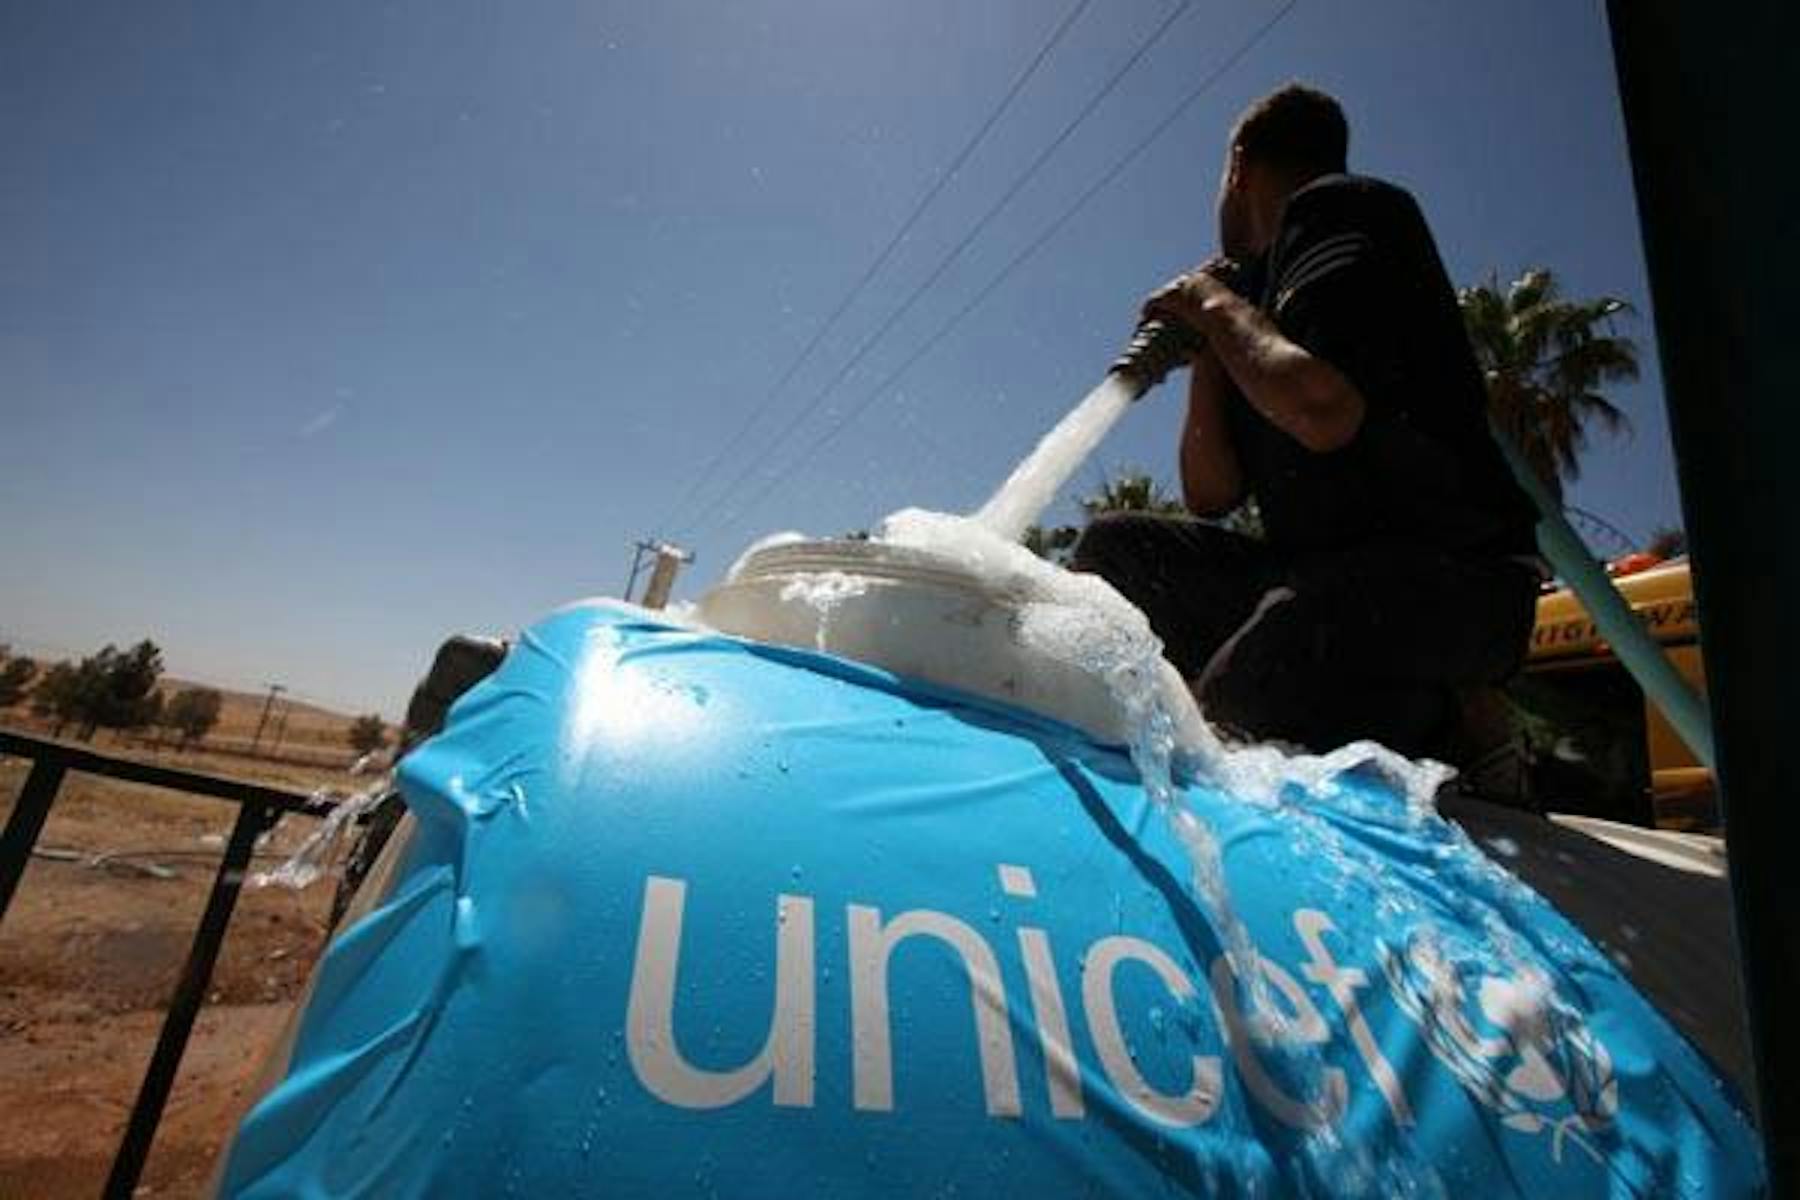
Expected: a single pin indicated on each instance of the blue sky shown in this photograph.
(327, 330)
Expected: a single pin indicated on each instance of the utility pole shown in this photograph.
(275, 689)
(666, 559)
(669, 560)
(280, 726)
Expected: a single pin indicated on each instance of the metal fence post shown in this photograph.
(27, 821)
(190, 993)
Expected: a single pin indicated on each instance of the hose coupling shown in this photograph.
(1157, 348)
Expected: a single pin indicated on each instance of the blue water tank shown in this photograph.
(683, 914)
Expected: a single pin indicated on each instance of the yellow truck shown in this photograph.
(1593, 743)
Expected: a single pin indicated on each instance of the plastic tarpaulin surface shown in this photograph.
(686, 915)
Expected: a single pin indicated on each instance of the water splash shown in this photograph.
(1124, 654)
(315, 856)
(824, 593)
(1081, 621)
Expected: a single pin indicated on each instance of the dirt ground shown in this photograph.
(89, 955)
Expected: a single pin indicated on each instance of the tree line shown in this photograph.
(120, 690)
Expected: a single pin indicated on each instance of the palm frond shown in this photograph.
(1537, 286)
(1593, 404)
(1545, 359)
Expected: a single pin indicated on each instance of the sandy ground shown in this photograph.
(89, 955)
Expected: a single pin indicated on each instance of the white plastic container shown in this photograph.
(910, 611)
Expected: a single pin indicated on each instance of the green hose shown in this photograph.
(1612, 614)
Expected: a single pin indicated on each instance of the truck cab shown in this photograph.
(1593, 744)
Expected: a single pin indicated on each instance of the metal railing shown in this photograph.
(259, 807)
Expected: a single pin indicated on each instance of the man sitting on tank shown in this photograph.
(1331, 381)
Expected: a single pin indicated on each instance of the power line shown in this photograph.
(1019, 260)
(880, 260)
(956, 252)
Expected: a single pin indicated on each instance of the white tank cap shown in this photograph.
(920, 612)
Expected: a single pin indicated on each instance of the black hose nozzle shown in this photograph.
(1157, 348)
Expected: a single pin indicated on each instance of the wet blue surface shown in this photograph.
(686, 916)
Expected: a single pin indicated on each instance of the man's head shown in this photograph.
(1282, 142)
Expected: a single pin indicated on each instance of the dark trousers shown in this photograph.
(1324, 647)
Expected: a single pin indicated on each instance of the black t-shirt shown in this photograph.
(1354, 277)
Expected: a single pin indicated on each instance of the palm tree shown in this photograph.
(1126, 490)
(1131, 490)
(1053, 542)
(1545, 359)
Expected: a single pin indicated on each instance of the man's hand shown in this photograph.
(1183, 300)
(1305, 396)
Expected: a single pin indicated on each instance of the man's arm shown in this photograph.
(1299, 392)
(1212, 484)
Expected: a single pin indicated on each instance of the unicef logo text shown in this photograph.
(1506, 1039)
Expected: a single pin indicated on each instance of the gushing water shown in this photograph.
(313, 858)
(1034, 483)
